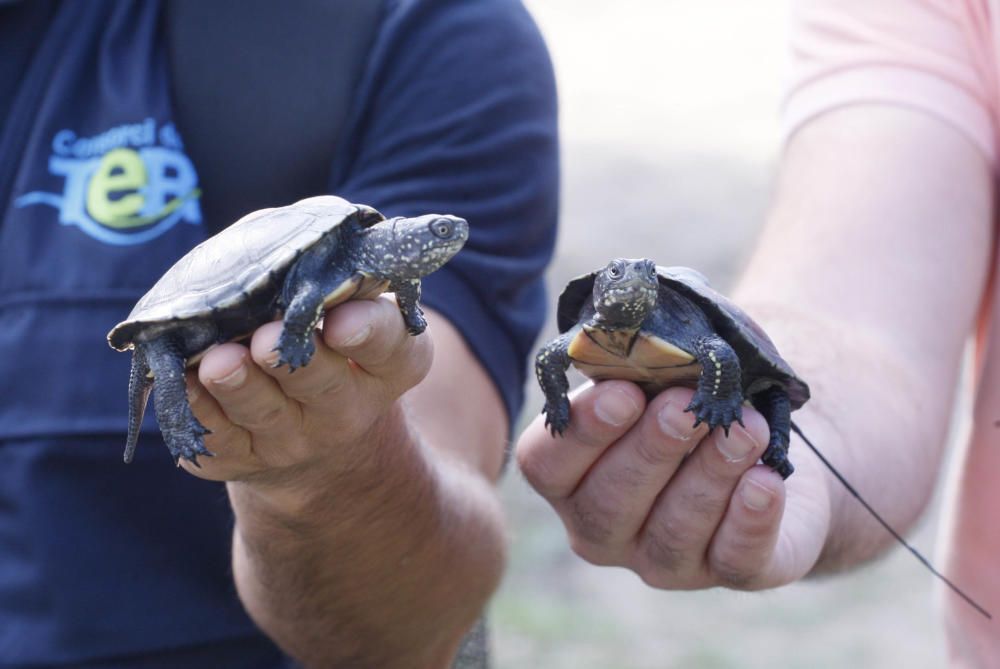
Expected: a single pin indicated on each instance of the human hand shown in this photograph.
(270, 426)
(637, 486)
(335, 481)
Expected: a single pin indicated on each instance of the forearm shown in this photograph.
(876, 419)
(384, 566)
(869, 277)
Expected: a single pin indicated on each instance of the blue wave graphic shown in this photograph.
(40, 197)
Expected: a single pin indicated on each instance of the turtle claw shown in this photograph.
(294, 351)
(715, 412)
(557, 417)
(416, 323)
(776, 456)
(190, 445)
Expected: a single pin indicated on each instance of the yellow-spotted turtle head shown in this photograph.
(625, 292)
(413, 247)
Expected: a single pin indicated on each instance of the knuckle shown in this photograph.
(537, 471)
(731, 572)
(736, 561)
(656, 452)
(264, 418)
(715, 470)
(588, 432)
(596, 555)
(221, 433)
(319, 385)
(655, 576)
(411, 363)
(376, 352)
(703, 504)
(593, 522)
(664, 547)
(627, 478)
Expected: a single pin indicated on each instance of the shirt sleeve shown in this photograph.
(936, 56)
(456, 114)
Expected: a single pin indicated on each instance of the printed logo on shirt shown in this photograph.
(125, 186)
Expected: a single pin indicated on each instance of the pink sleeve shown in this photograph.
(933, 55)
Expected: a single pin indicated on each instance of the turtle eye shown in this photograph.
(651, 269)
(615, 270)
(441, 228)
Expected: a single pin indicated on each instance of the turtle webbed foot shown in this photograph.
(182, 432)
(557, 415)
(188, 443)
(777, 459)
(776, 454)
(294, 351)
(415, 322)
(408, 299)
(716, 411)
(774, 404)
(550, 370)
(718, 401)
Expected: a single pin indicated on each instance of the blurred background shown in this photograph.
(669, 112)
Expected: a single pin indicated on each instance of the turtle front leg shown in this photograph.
(181, 431)
(718, 400)
(774, 405)
(551, 364)
(295, 346)
(140, 383)
(312, 279)
(408, 297)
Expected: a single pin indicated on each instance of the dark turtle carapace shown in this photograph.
(662, 327)
(293, 261)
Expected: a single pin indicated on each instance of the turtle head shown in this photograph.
(625, 292)
(411, 248)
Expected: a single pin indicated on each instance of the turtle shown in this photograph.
(666, 326)
(663, 327)
(292, 262)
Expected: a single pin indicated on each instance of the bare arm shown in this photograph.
(367, 530)
(869, 276)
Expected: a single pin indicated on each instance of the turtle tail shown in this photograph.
(139, 385)
(895, 535)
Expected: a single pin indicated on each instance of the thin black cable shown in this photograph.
(888, 527)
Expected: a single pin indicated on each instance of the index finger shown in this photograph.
(601, 414)
(372, 334)
(322, 379)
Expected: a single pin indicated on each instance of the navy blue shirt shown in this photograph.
(105, 565)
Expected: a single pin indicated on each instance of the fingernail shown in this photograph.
(233, 379)
(359, 337)
(737, 445)
(615, 407)
(675, 422)
(756, 496)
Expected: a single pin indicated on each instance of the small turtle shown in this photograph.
(662, 327)
(296, 261)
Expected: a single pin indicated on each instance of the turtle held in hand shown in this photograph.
(293, 261)
(662, 327)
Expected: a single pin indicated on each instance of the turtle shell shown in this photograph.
(759, 358)
(245, 259)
